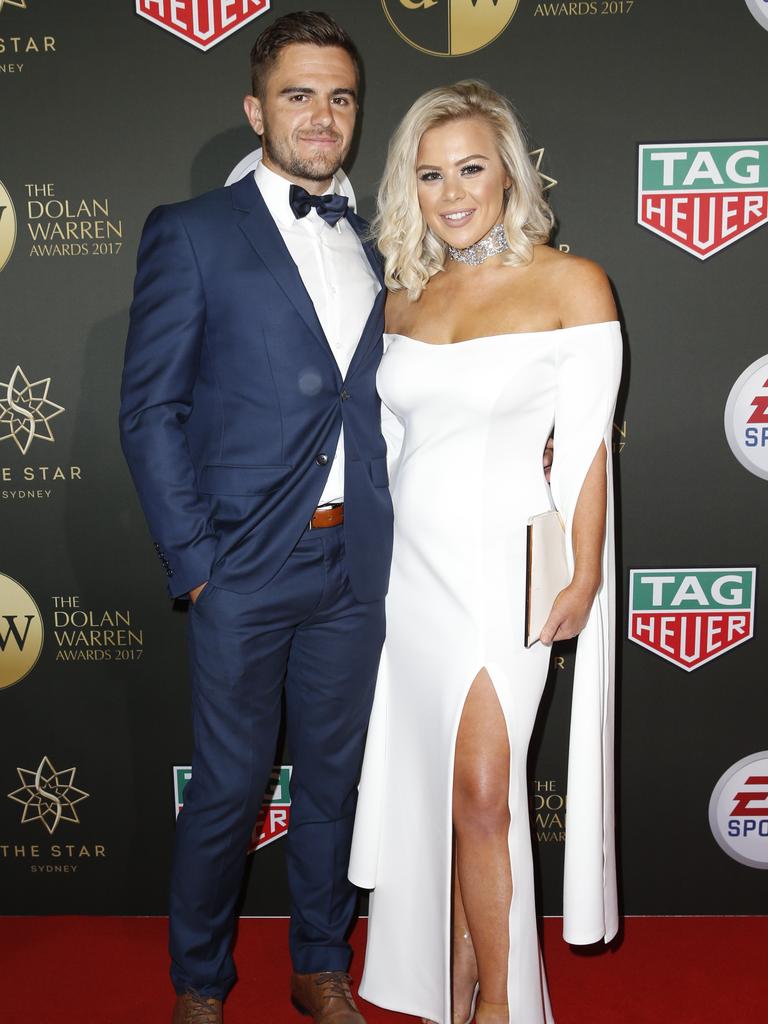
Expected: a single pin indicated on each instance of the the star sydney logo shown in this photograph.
(703, 196)
(48, 796)
(13, 3)
(26, 411)
(204, 23)
(275, 814)
(690, 616)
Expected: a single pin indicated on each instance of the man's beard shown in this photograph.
(320, 167)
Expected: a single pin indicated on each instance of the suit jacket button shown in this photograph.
(321, 459)
(344, 395)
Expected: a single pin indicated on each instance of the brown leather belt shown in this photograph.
(324, 517)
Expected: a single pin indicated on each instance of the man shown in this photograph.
(250, 422)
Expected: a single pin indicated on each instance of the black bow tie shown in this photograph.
(330, 208)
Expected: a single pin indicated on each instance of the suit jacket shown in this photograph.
(232, 401)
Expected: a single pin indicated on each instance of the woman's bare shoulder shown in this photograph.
(395, 311)
(580, 289)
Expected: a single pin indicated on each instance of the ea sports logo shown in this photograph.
(746, 418)
(759, 11)
(738, 811)
(21, 632)
(449, 28)
(7, 225)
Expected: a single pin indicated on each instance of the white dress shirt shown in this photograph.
(338, 277)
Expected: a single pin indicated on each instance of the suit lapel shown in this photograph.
(261, 231)
(263, 234)
(361, 230)
(373, 329)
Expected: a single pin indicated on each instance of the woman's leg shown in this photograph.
(481, 823)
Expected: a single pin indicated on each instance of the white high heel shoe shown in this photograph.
(472, 1005)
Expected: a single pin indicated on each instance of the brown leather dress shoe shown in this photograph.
(326, 996)
(192, 1008)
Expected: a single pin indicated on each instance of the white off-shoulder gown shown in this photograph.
(466, 425)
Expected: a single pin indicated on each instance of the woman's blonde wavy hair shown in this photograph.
(412, 252)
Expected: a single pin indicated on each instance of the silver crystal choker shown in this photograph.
(495, 242)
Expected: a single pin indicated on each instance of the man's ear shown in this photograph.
(253, 111)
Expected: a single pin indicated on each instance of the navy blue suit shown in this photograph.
(232, 406)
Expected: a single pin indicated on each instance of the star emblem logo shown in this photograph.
(48, 796)
(26, 411)
(537, 155)
(13, 3)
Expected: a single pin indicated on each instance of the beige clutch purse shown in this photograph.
(546, 571)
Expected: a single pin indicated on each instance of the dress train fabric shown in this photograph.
(466, 425)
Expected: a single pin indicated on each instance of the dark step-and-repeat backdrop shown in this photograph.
(647, 122)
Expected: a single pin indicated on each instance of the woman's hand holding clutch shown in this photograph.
(570, 611)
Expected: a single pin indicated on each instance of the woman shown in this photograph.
(492, 338)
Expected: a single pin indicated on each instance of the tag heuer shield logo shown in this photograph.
(204, 23)
(690, 616)
(274, 815)
(703, 196)
(449, 28)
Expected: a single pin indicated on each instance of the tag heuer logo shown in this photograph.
(204, 23)
(449, 28)
(703, 196)
(690, 616)
(275, 815)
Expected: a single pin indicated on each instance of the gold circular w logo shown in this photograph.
(7, 225)
(21, 632)
(449, 28)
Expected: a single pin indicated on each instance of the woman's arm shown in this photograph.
(586, 298)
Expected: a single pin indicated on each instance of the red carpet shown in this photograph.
(92, 970)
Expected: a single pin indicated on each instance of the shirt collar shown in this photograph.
(275, 191)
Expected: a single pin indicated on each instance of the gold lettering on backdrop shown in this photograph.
(88, 635)
(583, 8)
(67, 227)
(56, 858)
(549, 811)
(34, 46)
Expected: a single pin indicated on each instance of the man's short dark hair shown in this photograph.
(314, 27)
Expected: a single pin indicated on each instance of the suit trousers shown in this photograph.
(305, 635)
